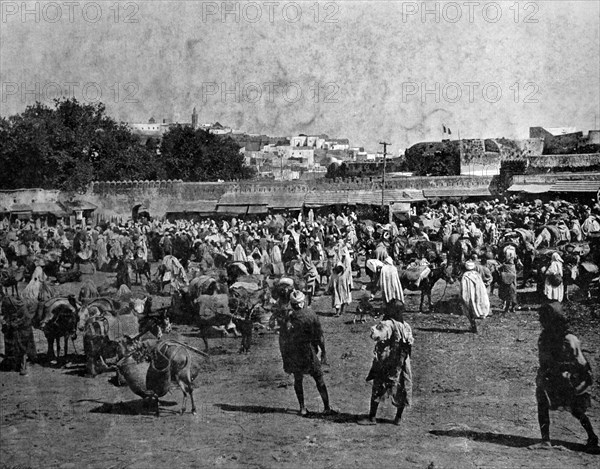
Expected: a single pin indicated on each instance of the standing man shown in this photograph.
(301, 338)
(554, 288)
(474, 296)
(564, 377)
(389, 282)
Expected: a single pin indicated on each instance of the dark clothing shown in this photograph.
(391, 371)
(18, 316)
(300, 338)
(564, 376)
(507, 283)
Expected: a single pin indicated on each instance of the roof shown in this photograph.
(530, 188)
(576, 186)
(321, 198)
(20, 208)
(462, 191)
(80, 205)
(233, 209)
(197, 206)
(53, 208)
(257, 209)
(267, 199)
(560, 130)
(291, 200)
(373, 197)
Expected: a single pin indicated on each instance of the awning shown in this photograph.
(293, 200)
(276, 199)
(197, 206)
(74, 205)
(576, 186)
(530, 188)
(53, 208)
(257, 209)
(390, 196)
(21, 211)
(457, 192)
(233, 209)
(323, 198)
(18, 208)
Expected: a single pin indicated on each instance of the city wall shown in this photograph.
(120, 198)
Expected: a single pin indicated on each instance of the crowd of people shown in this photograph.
(484, 245)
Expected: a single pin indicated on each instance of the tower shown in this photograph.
(194, 119)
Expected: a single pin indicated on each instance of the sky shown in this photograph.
(369, 71)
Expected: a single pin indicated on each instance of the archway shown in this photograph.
(140, 211)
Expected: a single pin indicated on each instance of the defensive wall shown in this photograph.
(123, 198)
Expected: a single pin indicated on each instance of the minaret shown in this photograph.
(194, 119)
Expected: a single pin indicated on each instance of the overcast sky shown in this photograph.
(368, 71)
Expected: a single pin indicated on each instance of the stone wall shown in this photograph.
(562, 162)
(29, 196)
(118, 199)
(551, 178)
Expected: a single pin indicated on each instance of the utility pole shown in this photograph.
(385, 145)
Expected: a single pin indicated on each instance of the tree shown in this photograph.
(68, 147)
(198, 155)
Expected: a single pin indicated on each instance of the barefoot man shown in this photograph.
(564, 377)
(300, 340)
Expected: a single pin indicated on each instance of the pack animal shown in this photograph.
(59, 317)
(103, 332)
(408, 279)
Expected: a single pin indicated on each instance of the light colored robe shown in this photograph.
(475, 299)
(551, 292)
(389, 283)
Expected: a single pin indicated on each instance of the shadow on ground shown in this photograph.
(512, 441)
(339, 417)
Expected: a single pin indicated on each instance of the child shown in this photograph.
(391, 370)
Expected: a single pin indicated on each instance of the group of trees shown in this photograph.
(72, 144)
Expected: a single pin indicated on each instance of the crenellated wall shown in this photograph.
(120, 198)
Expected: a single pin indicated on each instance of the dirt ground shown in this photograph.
(474, 403)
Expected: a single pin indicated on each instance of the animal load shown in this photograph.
(153, 287)
(134, 372)
(88, 291)
(102, 335)
(414, 274)
(68, 276)
(202, 285)
(247, 301)
(210, 306)
(153, 371)
(244, 297)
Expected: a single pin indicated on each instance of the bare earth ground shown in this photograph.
(474, 404)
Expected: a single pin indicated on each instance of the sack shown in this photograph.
(555, 280)
(507, 278)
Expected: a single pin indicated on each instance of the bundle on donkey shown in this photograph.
(151, 371)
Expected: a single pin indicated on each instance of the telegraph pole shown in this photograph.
(385, 145)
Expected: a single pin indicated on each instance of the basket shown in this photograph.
(135, 375)
(158, 381)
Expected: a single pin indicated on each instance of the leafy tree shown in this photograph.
(68, 147)
(197, 155)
